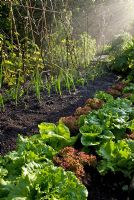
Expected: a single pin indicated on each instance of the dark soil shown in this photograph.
(109, 187)
(24, 119)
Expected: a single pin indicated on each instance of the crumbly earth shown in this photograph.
(24, 119)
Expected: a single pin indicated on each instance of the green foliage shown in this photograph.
(122, 54)
(14, 63)
(85, 49)
(62, 59)
(129, 88)
(109, 122)
(129, 92)
(43, 53)
(2, 106)
(120, 43)
(43, 181)
(104, 96)
(66, 51)
(117, 157)
(131, 98)
(105, 129)
(28, 172)
(56, 136)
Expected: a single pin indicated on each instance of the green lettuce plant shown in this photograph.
(42, 181)
(104, 96)
(117, 157)
(56, 136)
(109, 122)
(28, 173)
(129, 88)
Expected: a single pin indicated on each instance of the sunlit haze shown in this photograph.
(107, 19)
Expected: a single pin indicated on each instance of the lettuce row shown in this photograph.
(28, 173)
(109, 122)
(105, 129)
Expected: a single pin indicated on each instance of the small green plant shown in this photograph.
(58, 82)
(108, 123)
(129, 88)
(49, 84)
(69, 81)
(56, 136)
(2, 106)
(37, 82)
(117, 157)
(104, 96)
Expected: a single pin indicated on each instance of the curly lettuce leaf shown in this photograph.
(117, 157)
(44, 181)
(56, 136)
(90, 134)
(129, 88)
(104, 96)
(131, 125)
(112, 121)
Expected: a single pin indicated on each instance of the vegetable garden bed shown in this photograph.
(24, 118)
(95, 144)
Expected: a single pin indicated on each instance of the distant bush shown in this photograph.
(120, 43)
(121, 54)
